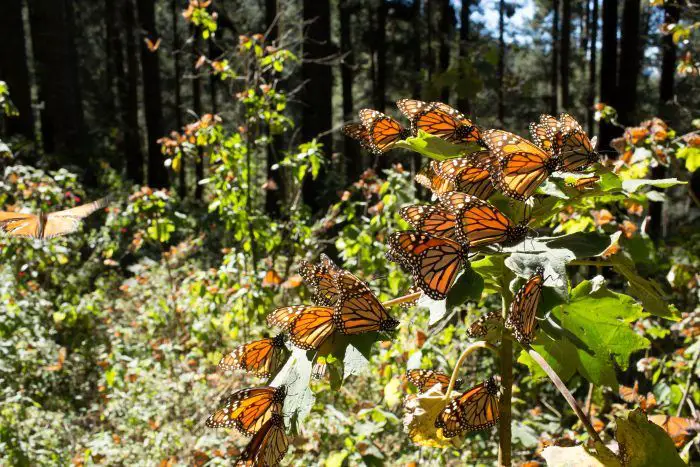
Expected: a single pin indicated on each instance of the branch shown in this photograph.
(688, 383)
(462, 358)
(404, 299)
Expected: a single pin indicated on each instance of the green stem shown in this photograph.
(462, 358)
(584, 262)
(504, 404)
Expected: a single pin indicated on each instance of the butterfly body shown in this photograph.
(469, 174)
(523, 309)
(565, 137)
(476, 409)
(439, 120)
(268, 446)
(249, 409)
(262, 357)
(383, 132)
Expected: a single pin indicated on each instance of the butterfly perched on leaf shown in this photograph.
(308, 326)
(520, 166)
(49, 225)
(439, 120)
(469, 174)
(584, 183)
(319, 279)
(268, 446)
(262, 357)
(431, 219)
(478, 223)
(476, 409)
(383, 132)
(248, 410)
(523, 308)
(434, 262)
(566, 138)
(426, 379)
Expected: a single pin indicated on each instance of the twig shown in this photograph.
(504, 403)
(403, 299)
(589, 399)
(688, 383)
(462, 358)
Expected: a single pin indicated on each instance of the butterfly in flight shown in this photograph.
(248, 410)
(49, 225)
(478, 223)
(426, 379)
(566, 138)
(434, 262)
(523, 308)
(476, 409)
(439, 120)
(520, 165)
(262, 357)
(268, 446)
(383, 132)
(469, 174)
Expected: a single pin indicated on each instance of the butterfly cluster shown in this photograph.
(343, 304)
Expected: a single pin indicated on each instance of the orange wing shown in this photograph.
(430, 219)
(439, 120)
(262, 357)
(547, 133)
(312, 327)
(476, 409)
(268, 446)
(426, 379)
(478, 223)
(383, 130)
(16, 224)
(358, 132)
(319, 279)
(434, 262)
(68, 220)
(248, 410)
(523, 309)
(521, 166)
(577, 150)
(469, 174)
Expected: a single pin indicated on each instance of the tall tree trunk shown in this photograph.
(417, 45)
(57, 72)
(429, 37)
(501, 60)
(129, 90)
(380, 35)
(447, 24)
(111, 108)
(274, 195)
(175, 19)
(593, 66)
(565, 52)
(153, 103)
(554, 103)
(317, 115)
(629, 62)
(353, 157)
(464, 44)
(14, 68)
(197, 109)
(214, 53)
(608, 69)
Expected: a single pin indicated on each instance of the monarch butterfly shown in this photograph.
(358, 310)
(357, 131)
(585, 182)
(319, 279)
(566, 138)
(469, 174)
(247, 410)
(680, 429)
(268, 446)
(478, 223)
(482, 326)
(521, 166)
(476, 409)
(440, 120)
(151, 45)
(433, 261)
(523, 309)
(48, 225)
(382, 131)
(308, 326)
(432, 220)
(262, 357)
(426, 379)
(547, 133)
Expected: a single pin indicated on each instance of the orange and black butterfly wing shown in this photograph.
(262, 357)
(358, 309)
(16, 224)
(312, 327)
(411, 108)
(268, 446)
(68, 220)
(523, 310)
(426, 379)
(319, 279)
(521, 166)
(383, 130)
(470, 174)
(357, 131)
(577, 151)
(546, 134)
(434, 262)
(476, 409)
(430, 219)
(283, 317)
(248, 410)
(440, 120)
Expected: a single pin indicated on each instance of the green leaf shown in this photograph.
(558, 456)
(491, 269)
(609, 181)
(597, 321)
(645, 443)
(631, 186)
(559, 352)
(296, 375)
(691, 156)
(468, 286)
(434, 147)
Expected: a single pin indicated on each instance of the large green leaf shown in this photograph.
(434, 147)
(631, 186)
(559, 352)
(492, 269)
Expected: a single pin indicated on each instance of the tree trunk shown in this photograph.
(554, 103)
(593, 65)
(157, 174)
(501, 60)
(14, 68)
(175, 19)
(464, 43)
(417, 44)
(215, 52)
(447, 24)
(429, 37)
(129, 89)
(629, 62)
(273, 197)
(608, 69)
(380, 35)
(197, 109)
(53, 36)
(565, 52)
(353, 157)
(317, 116)
(110, 111)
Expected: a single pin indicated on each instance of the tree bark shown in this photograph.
(608, 69)
(380, 35)
(153, 103)
(273, 197)
(501, 60)
(317, 116)
(175, 19)
(14, 69)
(629, 62)
(554, 103)
(129, 88)
(447, 24)
(593, 65)
(353, 157)
(565, 51)
(417, 46)
(464, 43)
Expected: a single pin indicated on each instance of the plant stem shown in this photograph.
(462, 358)
(584, 262)
(403, 299)
(504, 403)
(688, 383)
